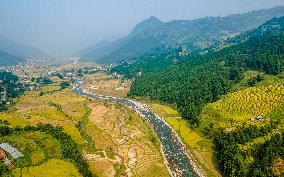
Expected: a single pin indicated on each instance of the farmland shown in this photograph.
(112, 138)
(43, 154)
(104, 84)
(51, 108)
(238, 107)
(123, 143)
(53, 167)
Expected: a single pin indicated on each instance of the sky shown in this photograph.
(63, 27)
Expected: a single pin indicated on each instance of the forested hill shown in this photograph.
(204, 79)
(7, 59)
(272, 28)
(274, 25)
(152, 35)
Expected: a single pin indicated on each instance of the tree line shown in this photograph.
(10, 83)
(235, 161)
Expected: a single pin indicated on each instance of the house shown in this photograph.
(8, 163)
(2, 154)
(11, 150)
(5, 159)
(258, 118)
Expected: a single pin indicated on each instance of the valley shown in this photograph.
(112, 138)
(197, 97)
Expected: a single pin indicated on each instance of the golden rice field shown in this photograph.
(33, 108)
(240, 106)
(123, 143)
(164, 110)
(267, 80)
(53, 167)
(37, 147)
(126, 146)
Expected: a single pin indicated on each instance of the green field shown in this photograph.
(42, 156)
(53, 167)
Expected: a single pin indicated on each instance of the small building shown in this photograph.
(25, 116)
(2, 154)
(8, 163)
(11, 150)
(258, 118)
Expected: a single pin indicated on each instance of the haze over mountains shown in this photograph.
(20, 50)
(153, 36)
(12, 52)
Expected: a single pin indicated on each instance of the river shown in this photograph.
(178, 160)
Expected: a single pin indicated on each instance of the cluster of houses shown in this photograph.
(13, 152)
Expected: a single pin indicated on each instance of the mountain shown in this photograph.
(146, 25)
(109, 50)
(19, 50)
(194, 35)
(274, 25)
(204, 79)
(7, 59)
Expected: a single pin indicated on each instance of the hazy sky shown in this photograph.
(62, 27)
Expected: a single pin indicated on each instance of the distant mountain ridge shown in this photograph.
(7, 59)
(274, 25)
(20, 50)
(194, 35)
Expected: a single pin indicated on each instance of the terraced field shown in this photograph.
(55, 107)
(36, 146)
(116, 140)
(42, 156)
(104, 84)
(238, 107)
(123, 143)
(266, 80)
(53, 167)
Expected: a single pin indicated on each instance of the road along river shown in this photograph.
(177, 159)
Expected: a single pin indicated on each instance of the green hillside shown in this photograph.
(220, 92)
(204, 79)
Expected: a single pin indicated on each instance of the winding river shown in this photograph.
(178, 160)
